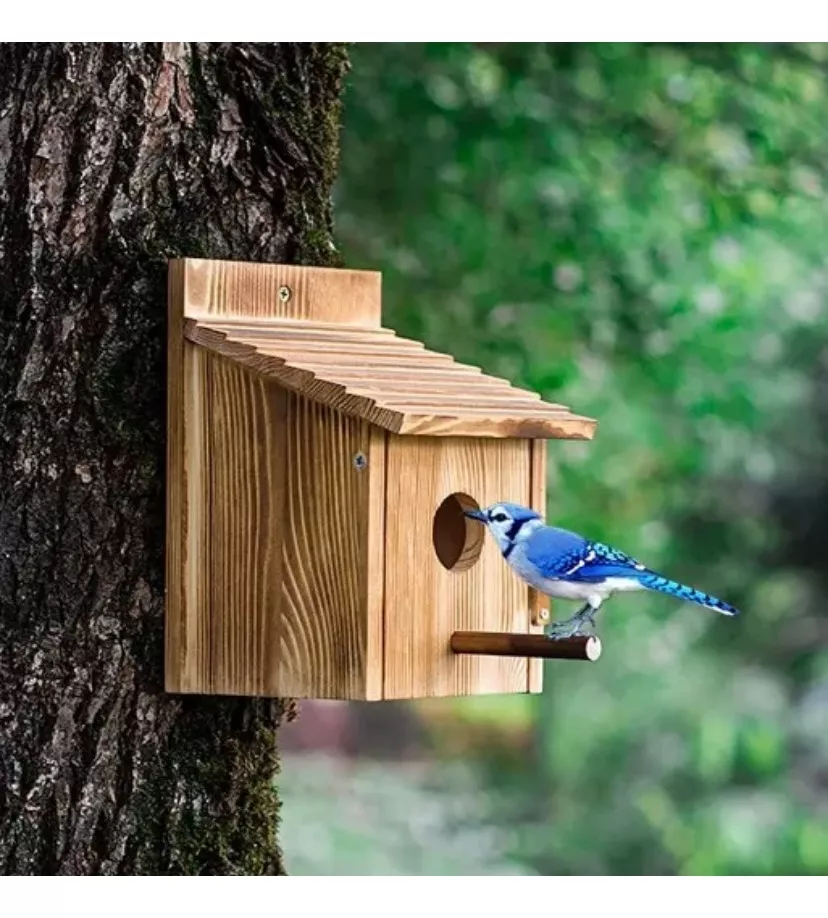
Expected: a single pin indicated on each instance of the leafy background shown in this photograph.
(638, 231)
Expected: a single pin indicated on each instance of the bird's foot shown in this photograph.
(565, 630)
(572, 627)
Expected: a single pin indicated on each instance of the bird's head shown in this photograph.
(508, 523)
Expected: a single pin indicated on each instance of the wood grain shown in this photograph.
(425, 603)
(496, 424)
(248, 437)
(175, 570)
(538, 603)
(321, 346)
(354, 377)
(198, 532)
(247, 290)
(187, 641)
(285, 328)
(284, 562)
(331, 641)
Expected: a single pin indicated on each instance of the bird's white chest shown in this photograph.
(561, 589)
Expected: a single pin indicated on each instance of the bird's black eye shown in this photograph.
(500, 518)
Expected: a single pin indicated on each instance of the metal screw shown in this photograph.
(360, 462)
(284, 294)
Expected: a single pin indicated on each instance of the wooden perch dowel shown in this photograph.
(504, 644)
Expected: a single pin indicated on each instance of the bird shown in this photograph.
(565, 565)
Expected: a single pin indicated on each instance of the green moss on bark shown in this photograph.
(231, 826)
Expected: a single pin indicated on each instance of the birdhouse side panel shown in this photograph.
(330, 631)
(187, 586)
(226, 481)
(247, 423)
(276, 526)
(426, 601)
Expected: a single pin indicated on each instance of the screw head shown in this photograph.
(360, 461)
(284, 294)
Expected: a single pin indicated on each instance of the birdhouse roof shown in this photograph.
(393, 382)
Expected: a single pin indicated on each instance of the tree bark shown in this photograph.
(114, 158)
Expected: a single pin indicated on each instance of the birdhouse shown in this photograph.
(318, 469)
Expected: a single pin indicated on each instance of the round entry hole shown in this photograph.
(458, 540)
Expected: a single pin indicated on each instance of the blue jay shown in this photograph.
(564, 565)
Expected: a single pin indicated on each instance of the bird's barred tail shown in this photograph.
(671, 588)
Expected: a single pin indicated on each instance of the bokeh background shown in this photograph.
(641, 232)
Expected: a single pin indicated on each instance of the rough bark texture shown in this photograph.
(114, 158)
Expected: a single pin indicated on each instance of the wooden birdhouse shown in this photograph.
(318, 469)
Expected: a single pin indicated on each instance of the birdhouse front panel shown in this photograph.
(441, 573)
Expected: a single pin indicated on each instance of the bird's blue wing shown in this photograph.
(554, 551)
(563, 555)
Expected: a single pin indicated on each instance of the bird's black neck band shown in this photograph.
(514, 529)
(512, 535)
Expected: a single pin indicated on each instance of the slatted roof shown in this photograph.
(393, 382)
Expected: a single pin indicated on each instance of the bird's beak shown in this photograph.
(476, 515)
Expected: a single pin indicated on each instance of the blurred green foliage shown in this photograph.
(638, 231)
(369, 819)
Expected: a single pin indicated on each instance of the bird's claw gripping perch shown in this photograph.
(566, 633)
(572, 627)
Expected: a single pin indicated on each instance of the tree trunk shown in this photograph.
(114, 158)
